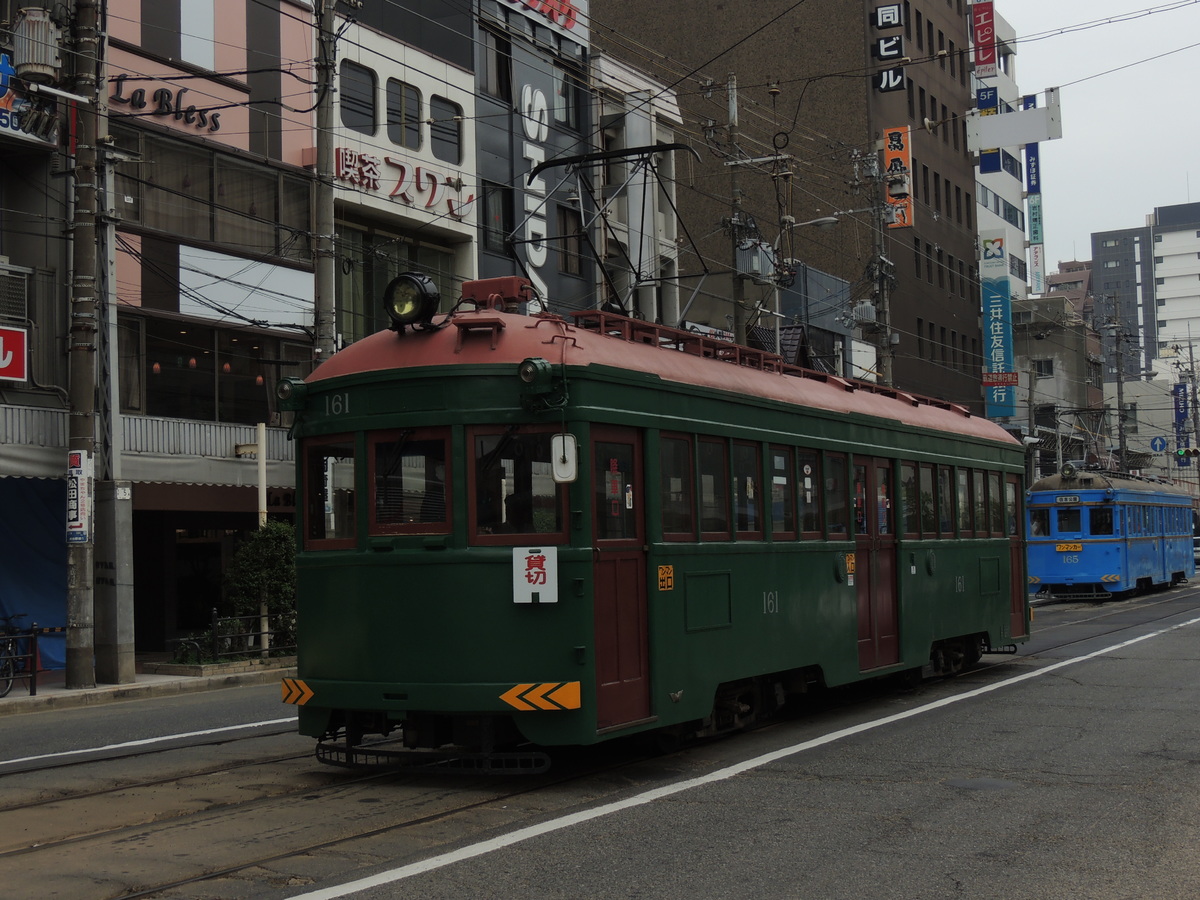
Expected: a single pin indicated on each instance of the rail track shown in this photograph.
(195, 826)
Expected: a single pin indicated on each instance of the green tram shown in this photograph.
(519, 530)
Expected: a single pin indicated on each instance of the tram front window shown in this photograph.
(1039, 522)
(1101, 520)
(1070, 521)
(515, 491)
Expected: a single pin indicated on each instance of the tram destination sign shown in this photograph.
(1067, 498)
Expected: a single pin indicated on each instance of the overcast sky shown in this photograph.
(1131, 137)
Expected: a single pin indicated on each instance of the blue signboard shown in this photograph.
(1001, 399)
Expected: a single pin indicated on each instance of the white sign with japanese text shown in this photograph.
(535, 574)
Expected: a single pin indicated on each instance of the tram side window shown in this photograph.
(995, 503)
(836, 503)
(929, 509)
(515, 492)
(783, 494)
(1100, 520)
(714, 489)
(408, 483)
(1070, 521)
(946, 501)
(809, 494)
(747, 489)
(329, 493)
(964, 502)
(1011, 507)
(979, 493)
(910, 500)
(677, 489)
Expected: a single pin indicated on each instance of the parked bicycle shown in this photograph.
(12, 660)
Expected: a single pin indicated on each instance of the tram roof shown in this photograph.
(1099, 480)
(490, 337)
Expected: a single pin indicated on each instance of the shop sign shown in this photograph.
(14, 354)
(416, 184)
(166, 102)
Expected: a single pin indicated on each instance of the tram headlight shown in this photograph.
(291, 392)
(537, 375)
(410, 299)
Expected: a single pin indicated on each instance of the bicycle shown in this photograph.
(11, 659)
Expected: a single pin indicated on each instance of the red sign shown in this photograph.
(983, 21)
(14, 354)
(1000, 379)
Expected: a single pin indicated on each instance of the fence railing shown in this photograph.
(24, 664)
(234, 637)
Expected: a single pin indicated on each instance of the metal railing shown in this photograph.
(233, 637)
(24, 664)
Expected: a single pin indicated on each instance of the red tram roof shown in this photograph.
(491, 336)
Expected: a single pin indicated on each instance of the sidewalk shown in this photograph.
(52, 692)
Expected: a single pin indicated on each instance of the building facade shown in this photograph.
(791, 127)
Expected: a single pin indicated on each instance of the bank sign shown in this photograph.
(567, 17)
(1001, 399)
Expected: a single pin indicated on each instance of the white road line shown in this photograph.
(144, 742)
(524, 834)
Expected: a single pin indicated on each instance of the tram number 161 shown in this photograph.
(770, 602)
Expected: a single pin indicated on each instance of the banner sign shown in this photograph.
(983, 31)
(1179, 393)
(897, 174)
(80, 478)
(1001, 399)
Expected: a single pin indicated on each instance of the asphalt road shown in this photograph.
(1069, 771)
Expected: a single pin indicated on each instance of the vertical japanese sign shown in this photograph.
(535, 574)
(888, 49)
(897, 170)
(1001, 399)
(80, 477)
(983, 32)
(1179, 394)
(1033, 186)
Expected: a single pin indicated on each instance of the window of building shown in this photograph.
(496, 78)
(567, 97)
(445, 129)
(496, 216)
(356, 93)
(570, 240)
(403, 114)
(1043, 368)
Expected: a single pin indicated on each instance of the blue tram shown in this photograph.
(1093, 534)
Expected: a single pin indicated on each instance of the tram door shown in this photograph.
(621, 641)
(875, 565)
(1015, 517)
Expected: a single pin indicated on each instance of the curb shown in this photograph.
(61, 698)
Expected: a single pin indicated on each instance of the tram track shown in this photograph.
(401, 813)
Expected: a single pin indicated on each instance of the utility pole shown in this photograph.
(735, 218)
(1119, 350)
(324, 251)
(81, 346)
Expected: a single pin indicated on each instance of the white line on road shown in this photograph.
(144, 742)
(524, 834)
